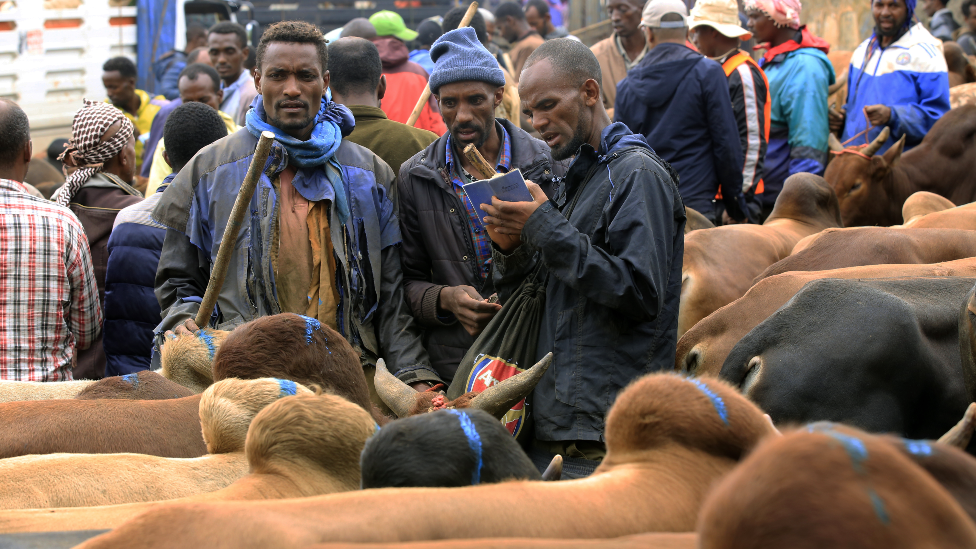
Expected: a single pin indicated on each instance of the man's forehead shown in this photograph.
(465, 89)
(626, 3)
(223, 40)
(202, 81)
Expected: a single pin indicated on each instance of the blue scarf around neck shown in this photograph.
(332, 122)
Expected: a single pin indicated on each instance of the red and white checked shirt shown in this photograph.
(48, 297)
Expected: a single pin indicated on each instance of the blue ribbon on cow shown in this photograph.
(474, 442)
(287, 388)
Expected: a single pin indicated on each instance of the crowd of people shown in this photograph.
(363, 222)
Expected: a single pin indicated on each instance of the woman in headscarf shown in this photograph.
(102, 153)
(799, 73)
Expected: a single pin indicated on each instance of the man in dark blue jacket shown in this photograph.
(611, 240)
(131, 308)
(679, 100)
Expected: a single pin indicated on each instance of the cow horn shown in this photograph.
(834, 143)
(877, 143)
(499, 399)
(555, 470)
(961, 433)
(399, 396)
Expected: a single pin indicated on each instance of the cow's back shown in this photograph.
(881, 355)
(166, 428)
(852, 247)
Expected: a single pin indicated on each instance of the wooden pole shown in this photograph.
(424, 97)
(241, 206)
(480, 164)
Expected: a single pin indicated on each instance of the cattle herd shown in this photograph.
(822, 397)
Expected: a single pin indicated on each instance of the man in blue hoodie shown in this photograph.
(679, 100)
(611, 240)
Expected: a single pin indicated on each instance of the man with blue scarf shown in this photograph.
(611, 240)
(321, 239)
(897, 78)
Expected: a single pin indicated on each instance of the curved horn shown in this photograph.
(961, 433)
(555, 469)
(499, 399)
(838, 84)
(834, 143)
(878, 141)
(395, 393)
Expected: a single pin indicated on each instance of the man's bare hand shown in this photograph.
(836, 118)
(471, 310)
(878, 115)
(187, 328)
(506, 219)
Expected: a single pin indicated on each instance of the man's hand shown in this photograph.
(187, 328)
(473, 312)
(836, 118)
(506, 219)
(878, 115)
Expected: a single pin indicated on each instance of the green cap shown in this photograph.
(389, 23)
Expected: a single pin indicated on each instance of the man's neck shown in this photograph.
(14, 174)
(489, 150)
(523, 31)
(134, 104)
(633, 43)
(230, 81)
(783, 36)
(366, 99)
(550, 28)
(600, 123)
(726, 48)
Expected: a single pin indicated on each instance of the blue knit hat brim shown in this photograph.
(458, 56)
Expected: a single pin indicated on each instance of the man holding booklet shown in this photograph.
(610, 240)
(446, 252)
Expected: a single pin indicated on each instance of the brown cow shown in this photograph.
(959, 217)
(831, 489)
(144, 385)
(283, 346)
(78, 480)
(299, 446)
(687, 540)
(721, 263)
(703, 349)
(872, 188)
(960, 68)
(838, 248)
(923, 203)
(668, 439)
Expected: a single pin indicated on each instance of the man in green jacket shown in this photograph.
(358, 83)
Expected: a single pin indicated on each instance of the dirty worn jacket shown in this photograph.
(372, 313)
(611, 310)
(438, 250)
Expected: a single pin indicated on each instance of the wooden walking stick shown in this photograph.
(424, 97)
(480, 164)
(241, 205)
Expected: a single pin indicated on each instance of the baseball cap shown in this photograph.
(389, 23)
(721, 15)
(656, 9)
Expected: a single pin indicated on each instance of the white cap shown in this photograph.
(656, 9)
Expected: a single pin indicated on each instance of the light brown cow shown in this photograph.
(668, 439)
(687, 540)
(831, 489)
(79, 480)
(959, 217)
(721, 263)
(924, 203)
(703, 349)
(838, 248)
(300, 446)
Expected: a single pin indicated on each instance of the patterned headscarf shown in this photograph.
(784, 13)
(86, 151)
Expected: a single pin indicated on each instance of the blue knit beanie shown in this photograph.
(458, 56)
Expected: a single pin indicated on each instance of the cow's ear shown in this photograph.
(893, 154)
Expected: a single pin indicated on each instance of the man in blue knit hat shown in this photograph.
(446, 252)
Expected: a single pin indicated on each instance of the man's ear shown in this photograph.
(590, 91)
(499, 95)
(246, 51)
(257, 81)
(166, 158)
(220, 96)
(28, 151)
(381, 88)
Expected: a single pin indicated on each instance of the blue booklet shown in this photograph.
(509, 187)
